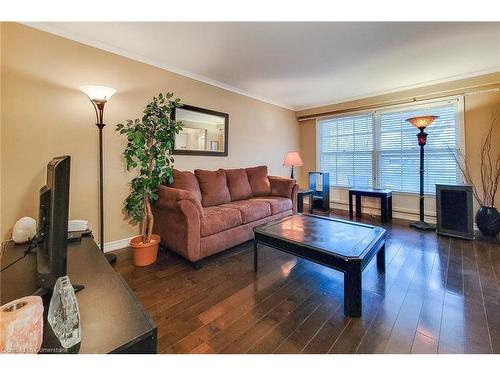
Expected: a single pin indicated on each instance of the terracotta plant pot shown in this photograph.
(144, 254)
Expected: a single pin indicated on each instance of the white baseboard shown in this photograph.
(341, 205)
(116, 245)
(397, 212)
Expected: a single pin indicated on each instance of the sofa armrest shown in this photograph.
(284, 187)
(281, 186)
(169, 198)
(178, 216)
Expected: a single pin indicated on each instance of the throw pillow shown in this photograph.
(213, 187)
(186, 181)
(237, 182)
(257, 177)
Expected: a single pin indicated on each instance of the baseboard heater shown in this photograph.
(454, 211)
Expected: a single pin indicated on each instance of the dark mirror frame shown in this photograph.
(208, 112)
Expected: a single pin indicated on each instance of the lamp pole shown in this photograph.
(101, 195)
(422, 136)
(421, 123)
(98, 96)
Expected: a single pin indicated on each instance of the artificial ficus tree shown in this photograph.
(148, 151)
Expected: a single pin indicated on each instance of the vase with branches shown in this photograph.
(487, 217)
(148, 153)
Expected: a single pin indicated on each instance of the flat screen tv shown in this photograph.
(53, 224)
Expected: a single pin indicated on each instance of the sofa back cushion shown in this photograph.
(213, 187)
(257, 177)
(238, 185)
(186, 181)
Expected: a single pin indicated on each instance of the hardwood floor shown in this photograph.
(438, 295)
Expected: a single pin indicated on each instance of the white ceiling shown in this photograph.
(301, 65)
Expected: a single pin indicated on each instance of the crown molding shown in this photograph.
(130, 55)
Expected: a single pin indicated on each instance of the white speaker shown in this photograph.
(24, 230)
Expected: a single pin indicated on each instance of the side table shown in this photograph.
(300, 200)
(385, 201)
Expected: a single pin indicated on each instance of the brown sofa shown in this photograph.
(206, 212)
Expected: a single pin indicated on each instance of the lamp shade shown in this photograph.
(98, 93)
(293, 159)
(422, 121)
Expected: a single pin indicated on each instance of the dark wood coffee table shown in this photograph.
(342, 245)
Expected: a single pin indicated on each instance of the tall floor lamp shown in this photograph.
(98, 96)
(421, 123)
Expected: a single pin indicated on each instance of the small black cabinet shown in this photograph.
(321, 190)
(454, 211)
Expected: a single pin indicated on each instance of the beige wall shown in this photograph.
(1, 127)
(44, 115)
(478, 109)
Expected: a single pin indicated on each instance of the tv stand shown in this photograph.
(112, 319)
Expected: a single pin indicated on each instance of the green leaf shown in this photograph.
(148, 151)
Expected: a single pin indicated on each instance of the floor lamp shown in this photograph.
(421, 123)
(98, 96)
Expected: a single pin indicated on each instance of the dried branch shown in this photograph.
(489, 171)
(464, 168)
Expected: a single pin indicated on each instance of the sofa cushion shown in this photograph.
(278, 204)
(238, 185)
(217, 219)
(186, 181)
(213, 187)
(251, 209)
(257, 177)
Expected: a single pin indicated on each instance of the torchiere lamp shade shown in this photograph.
(422, 122)
(98, 96)
(98, 93)
(293, 159)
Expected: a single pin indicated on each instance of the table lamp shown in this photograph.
(293, 159)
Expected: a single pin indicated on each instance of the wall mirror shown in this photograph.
(205, 132)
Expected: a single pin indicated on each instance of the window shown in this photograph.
(379, 149)
(346, 149)
(399, 153)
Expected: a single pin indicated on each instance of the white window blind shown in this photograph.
(346, 150)
(380, 149)
(399, 153)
